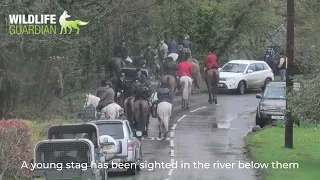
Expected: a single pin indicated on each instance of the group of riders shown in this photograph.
(174, 58)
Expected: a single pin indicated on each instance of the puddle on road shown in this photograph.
(221, 125)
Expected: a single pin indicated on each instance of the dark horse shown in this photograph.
(212, 81)
(142, 114)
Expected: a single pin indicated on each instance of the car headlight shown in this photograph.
(263, 107)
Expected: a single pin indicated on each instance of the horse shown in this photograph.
(186, 86)
(196, 75)
(142, 114)
(164, 113)
(212, 84)
(111, 111)
(171, 80)
(129, 108)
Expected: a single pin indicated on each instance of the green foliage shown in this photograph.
(304, 104)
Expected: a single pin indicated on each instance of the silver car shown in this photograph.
(130, 146)
(272, 104)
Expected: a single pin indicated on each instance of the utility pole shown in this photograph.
(289, 73)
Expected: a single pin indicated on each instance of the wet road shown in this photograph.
(206, 134)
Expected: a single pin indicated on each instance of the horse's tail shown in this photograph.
(168, 79)
(185, 90)
(128, 108)
(140, 111)
(166, 116)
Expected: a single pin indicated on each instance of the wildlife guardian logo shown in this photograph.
(43, 24)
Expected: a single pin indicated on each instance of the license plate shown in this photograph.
(277, 117)
(220, 85)
(107, 147)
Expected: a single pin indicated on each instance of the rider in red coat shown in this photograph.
(211, 61)
(184, 69)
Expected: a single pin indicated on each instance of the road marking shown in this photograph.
(198, 109)
(170, 172)
(172, 161)
(171, 143)
(172, 152)
(171, 134)
(181, 118)
(174, 126)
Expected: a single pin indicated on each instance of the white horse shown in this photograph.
(111, 111)
(164, 113)
(186, 86)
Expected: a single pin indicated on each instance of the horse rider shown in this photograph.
(120, 85)
(186, 43)
(184, 68)
(106, 95)
(210, 63)
(172, 46)
(170, 67)
(142, 92)
(164, 94)
(149, 56)
(140, 77)
(163, 50)
(181, 54)
(121, 50)
(122, 115)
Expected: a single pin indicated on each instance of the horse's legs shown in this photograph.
(187, 106)
(159, 127)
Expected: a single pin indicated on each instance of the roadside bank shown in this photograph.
(299, 163)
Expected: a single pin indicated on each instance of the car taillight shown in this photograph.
(271, 70)
(130, 145)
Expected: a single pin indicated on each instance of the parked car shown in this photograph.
(65, 156)
(130, 146)
(130, 73)
(272, 104)
(241, 75)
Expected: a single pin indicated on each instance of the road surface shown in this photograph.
(206, 134)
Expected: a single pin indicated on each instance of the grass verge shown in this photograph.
(267, 146)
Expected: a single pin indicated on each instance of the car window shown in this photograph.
(259, 67)
(252, 67)
(234, 67)
(129, 128)
(266, 66)
(275, 92)
(114, 130)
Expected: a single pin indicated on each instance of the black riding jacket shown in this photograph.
(164, 94)
(142, 92)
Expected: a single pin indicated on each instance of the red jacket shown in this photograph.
(211, 61)
(184, 69)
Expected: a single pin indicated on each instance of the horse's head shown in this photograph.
(88, 101)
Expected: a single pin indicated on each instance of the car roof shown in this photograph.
(105, 121)
(245, 61)
(277, 83)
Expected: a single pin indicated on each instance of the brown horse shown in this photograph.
(212, 84)
(171, 80)
(195, 73)
(129, 108)
(142, 114)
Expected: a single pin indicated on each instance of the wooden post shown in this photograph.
(289, 73)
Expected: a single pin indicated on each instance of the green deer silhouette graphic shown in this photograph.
(70, 24)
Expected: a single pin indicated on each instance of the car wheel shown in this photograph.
(104, 174)
(265, 83)
(241, 87)
(133, 169)
(258, 121)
